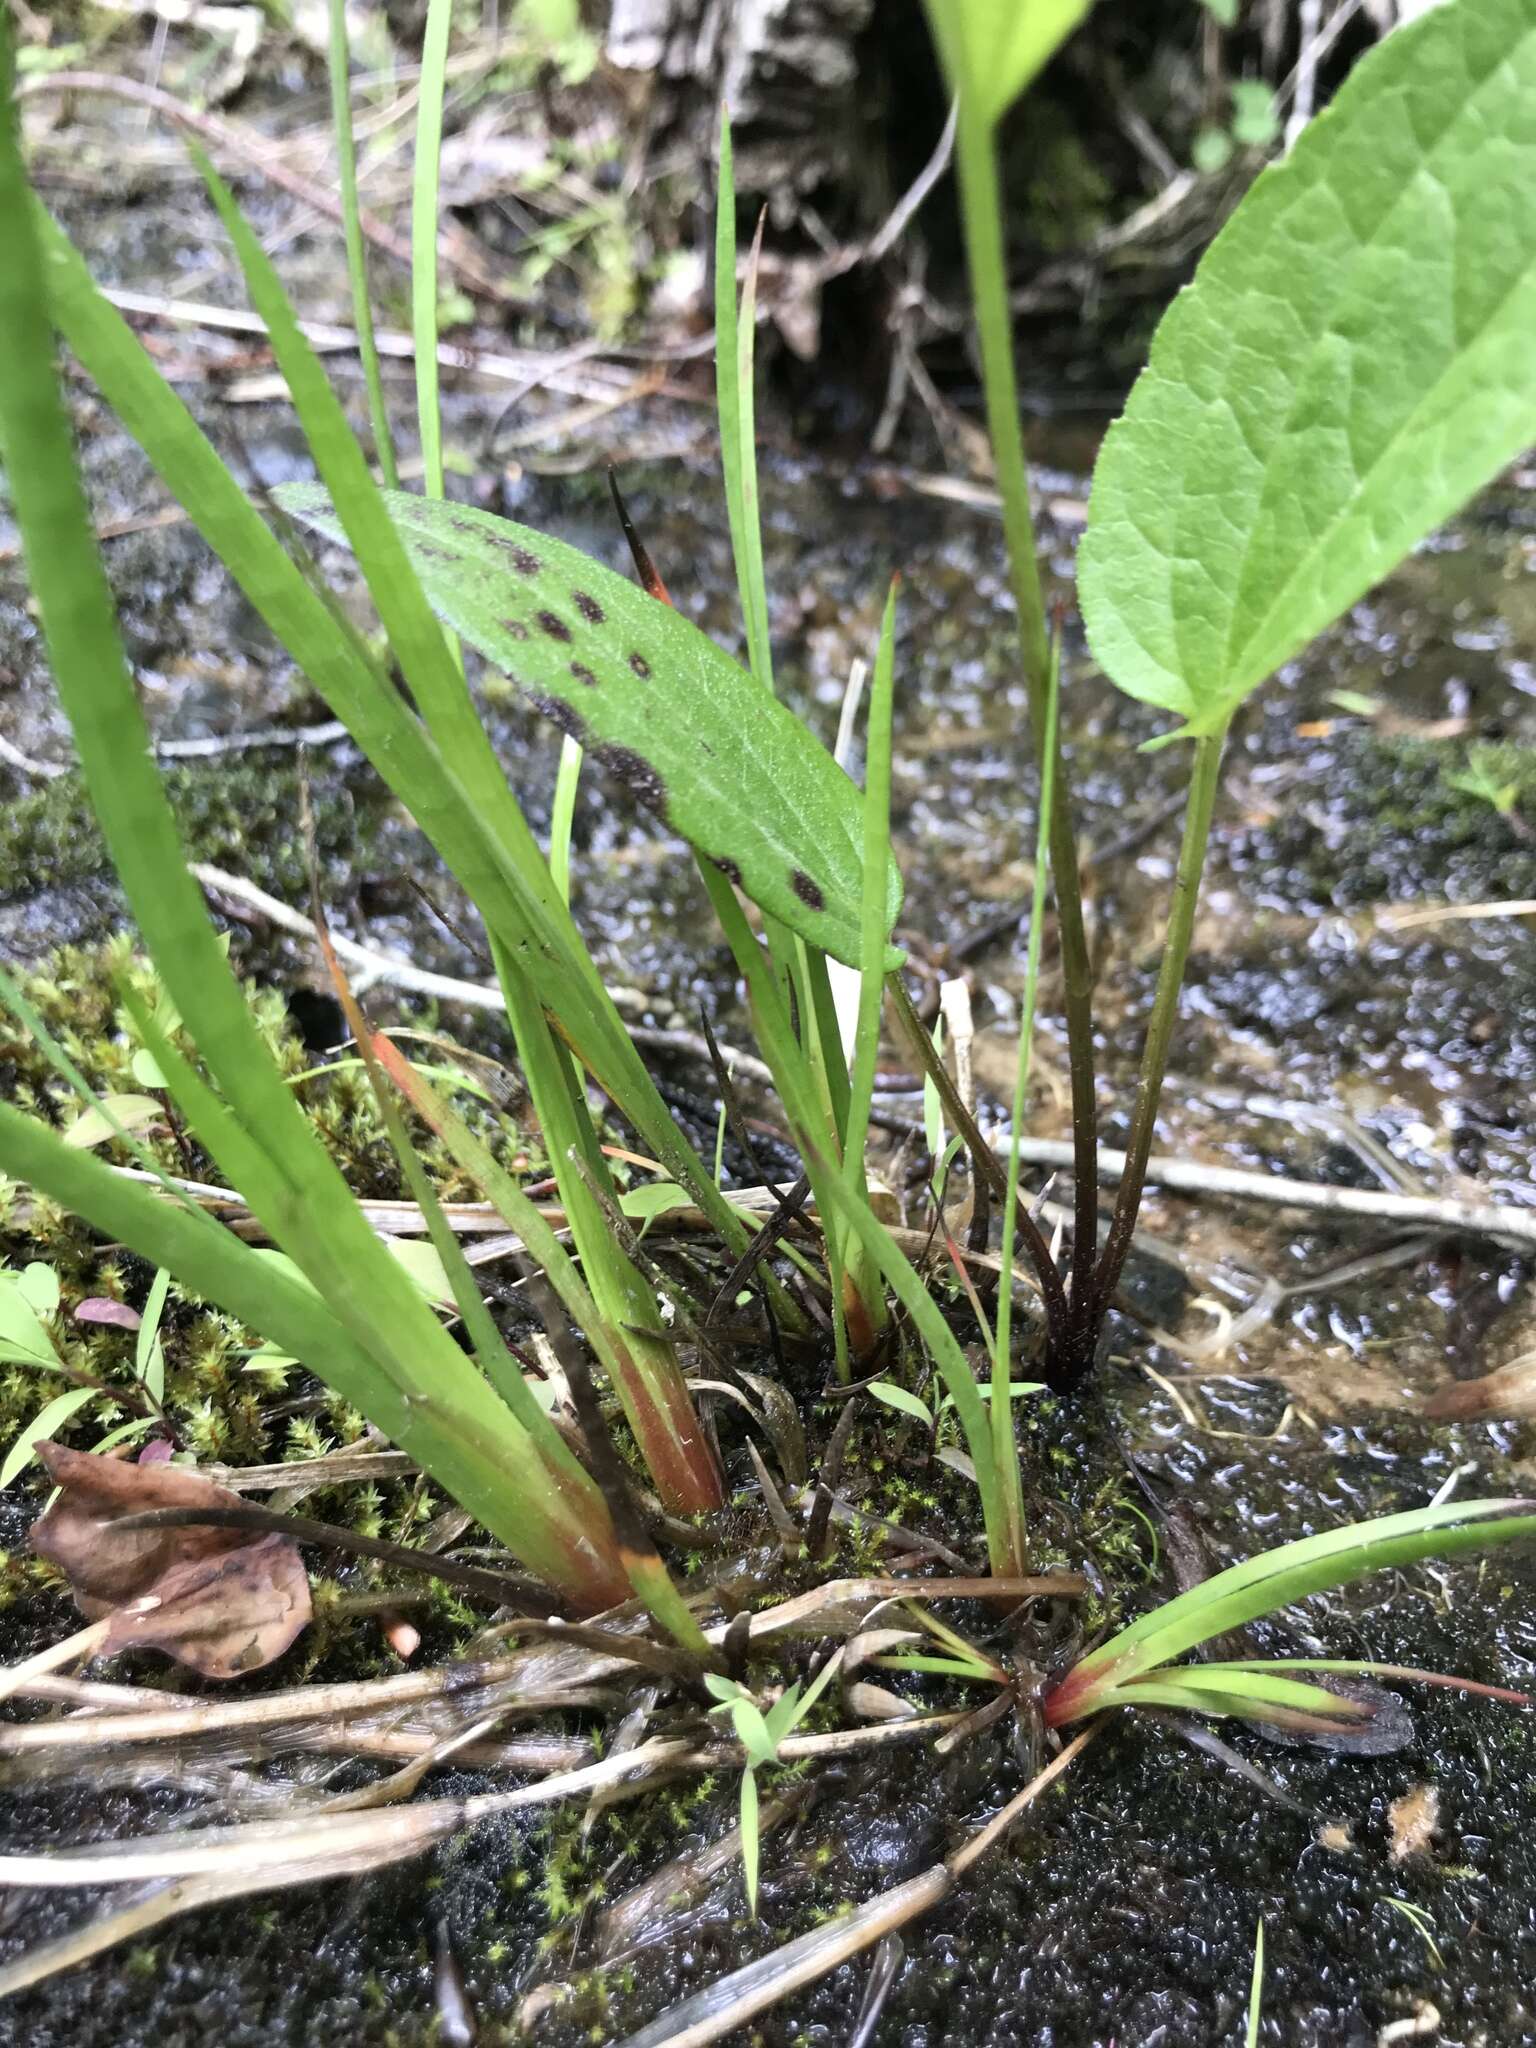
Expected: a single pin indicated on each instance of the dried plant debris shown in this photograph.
(219, 1600)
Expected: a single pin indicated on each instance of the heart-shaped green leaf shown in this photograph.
(1354, 359)
(684, 727)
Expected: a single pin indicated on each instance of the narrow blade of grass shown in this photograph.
(1262, 1689)
(1255, 1991)
(424, 192)
(562, 815)
(735, 407)
(839, 1207)
(654, 1394)
(874, 929)
(338, 59)
(414, 633)
(1263, 1585)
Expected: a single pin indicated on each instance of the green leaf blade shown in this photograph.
(1351, 363)
(23, 1338)
(53, 1415)
(1279, 1578)
(695, 739)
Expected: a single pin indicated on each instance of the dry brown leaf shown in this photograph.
(225, 1602)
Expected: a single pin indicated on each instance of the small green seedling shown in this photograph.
(905, 1402)
(1256, 1992)
(1484, 778)
(1423, 1924)
(760, 1735)
(26, 1300)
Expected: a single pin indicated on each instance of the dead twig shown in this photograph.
(256, 153)
(1189, 1176)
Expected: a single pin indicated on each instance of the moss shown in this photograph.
(1402, 824)
(220, 1404)
(236, 812)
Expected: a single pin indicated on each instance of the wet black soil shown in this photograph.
(1125, 1910)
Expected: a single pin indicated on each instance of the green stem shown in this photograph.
(1004, 1442)
(1154, 1058)
(562, 815)
(357, 252)
(981, 211)
(984, 1161)
(651, 1387)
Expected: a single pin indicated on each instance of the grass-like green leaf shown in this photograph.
(1264, 1688)
(424, 192)
(1277, 1578)
(750, 1837)
(838, 1205)
(338, 63)
(51, 1416)
(736, 410)
(653, 700)
(902, 1400)
(1351, 363)
(1255, 1991)
(148, 1351)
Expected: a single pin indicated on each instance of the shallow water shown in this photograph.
(1125, 1910)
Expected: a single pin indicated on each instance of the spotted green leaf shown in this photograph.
(663, 709)
(1352, 361)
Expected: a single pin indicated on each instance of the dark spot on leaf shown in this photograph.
(583, 675)
(637, 773)
(564, 715)
(554, 626)
(514, 628)
(433, 551)
(588, 606)
(641, 666)
(523, 562)
(808, 891)
(727, 867)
